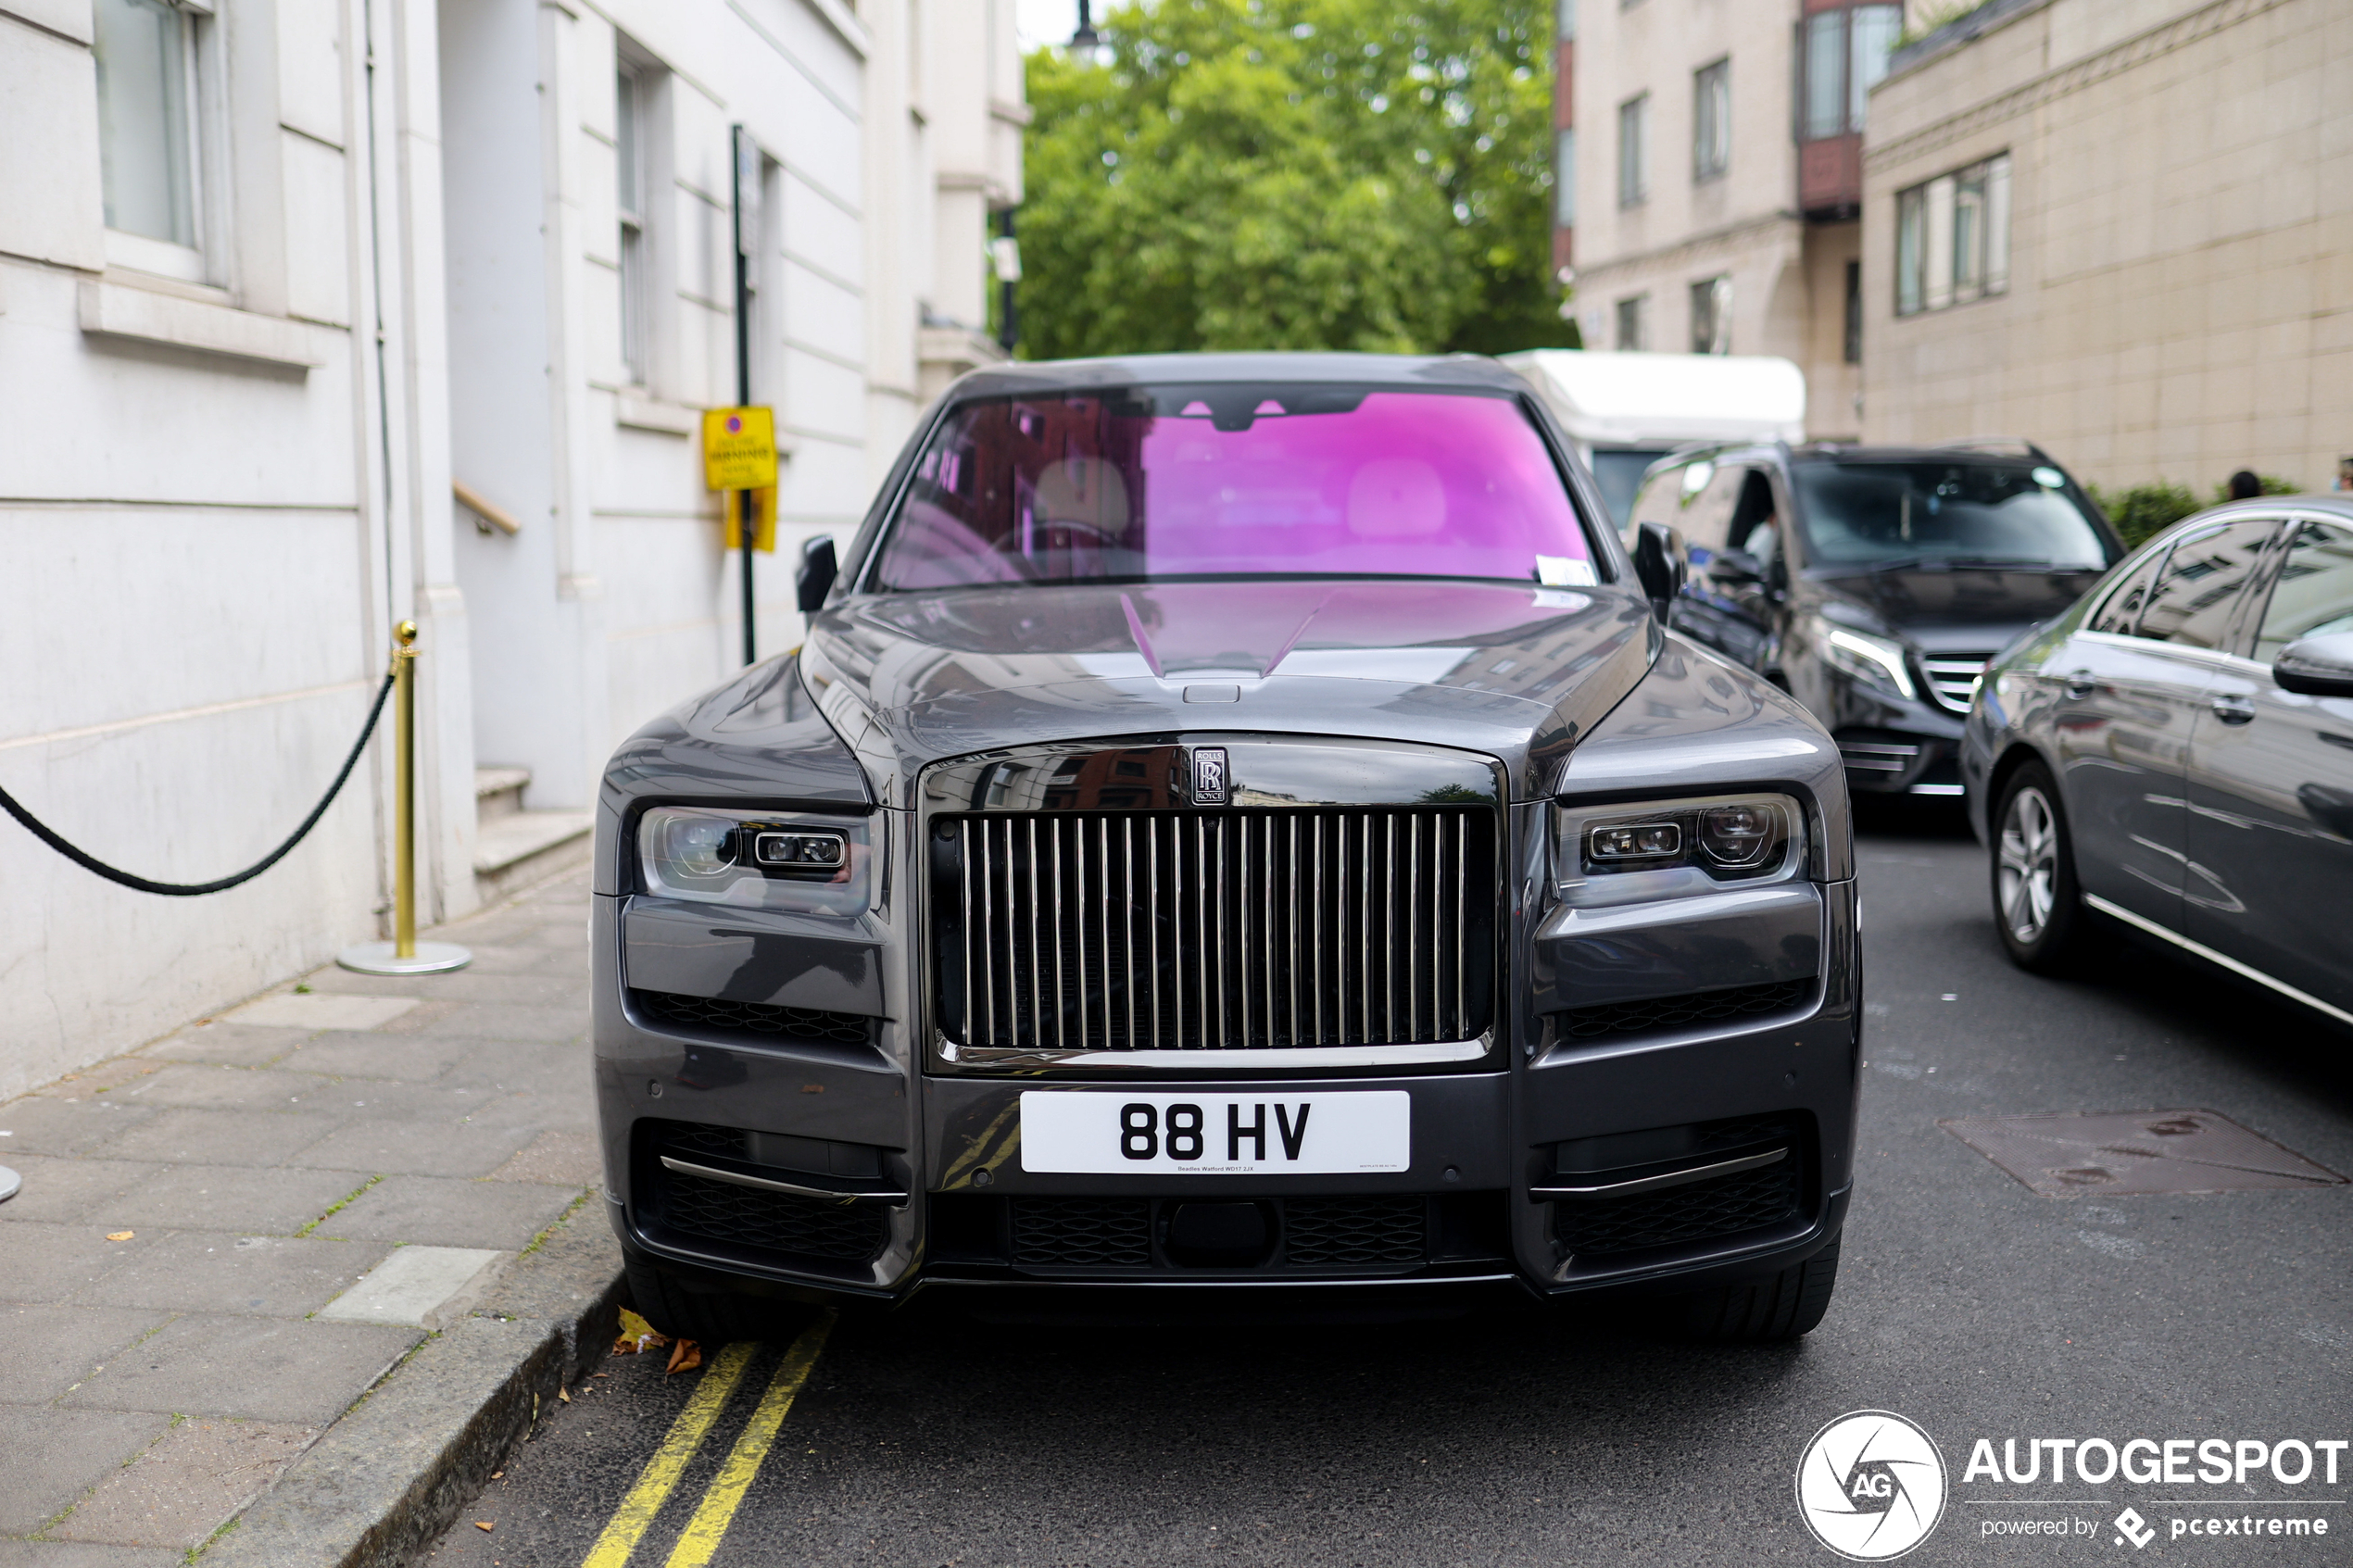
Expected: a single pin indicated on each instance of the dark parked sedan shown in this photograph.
(1238, 836)
(2175, 755)
(1873, 583)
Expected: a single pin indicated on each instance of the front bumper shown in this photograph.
(1484, 1143)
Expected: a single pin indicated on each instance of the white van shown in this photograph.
(1628, 410)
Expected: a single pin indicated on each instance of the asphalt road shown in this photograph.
(1967, 1303)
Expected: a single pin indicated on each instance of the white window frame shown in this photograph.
(198, 262)
(1712, 309)
(1843, 53)
(1633, 150)
(1953, 237)
(1635, 308)
(1712, 121)
(632, 245)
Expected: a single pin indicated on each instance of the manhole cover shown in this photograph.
(2136, 1151)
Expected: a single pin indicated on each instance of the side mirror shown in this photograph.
(1658, 564)
(2316, 666)
(815, 578)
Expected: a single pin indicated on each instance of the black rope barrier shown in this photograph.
(40, 830)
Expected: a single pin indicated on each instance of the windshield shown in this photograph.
(1163, 482)
(1960, 513)
(1619, 472)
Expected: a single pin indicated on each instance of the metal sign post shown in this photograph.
(746, 225)
(403, 954)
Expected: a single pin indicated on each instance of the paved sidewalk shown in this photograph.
(228, 1236)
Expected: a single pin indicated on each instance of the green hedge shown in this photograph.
(2143, 512)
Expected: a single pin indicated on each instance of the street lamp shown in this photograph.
(1085, 38)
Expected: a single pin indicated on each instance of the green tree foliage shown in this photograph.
(2143, 512)
(1335, 174)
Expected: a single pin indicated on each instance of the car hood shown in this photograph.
(1517, 673)
(1973, 608)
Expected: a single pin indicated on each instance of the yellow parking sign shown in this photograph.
(738, 448)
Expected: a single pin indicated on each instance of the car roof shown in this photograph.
(1381, 370)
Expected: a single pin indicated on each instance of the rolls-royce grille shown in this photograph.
(1240, 930)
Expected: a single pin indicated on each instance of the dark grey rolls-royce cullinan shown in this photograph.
(1239, 834)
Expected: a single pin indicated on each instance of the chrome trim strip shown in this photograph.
(2202, 950)
(1260, 1057)
(712, 1172)
(1060, 1283)
(1671, 1179)
(1937, 789)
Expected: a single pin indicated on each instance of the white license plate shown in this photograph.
(1273, 1133)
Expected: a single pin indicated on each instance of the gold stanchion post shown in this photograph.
(403, 954)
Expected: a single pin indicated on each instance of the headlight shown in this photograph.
(764, 859)
(1876, 661)
(1672, 848)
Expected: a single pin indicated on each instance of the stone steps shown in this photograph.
(515, 845)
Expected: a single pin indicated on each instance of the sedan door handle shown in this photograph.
(2233, 709)
(2081, 683)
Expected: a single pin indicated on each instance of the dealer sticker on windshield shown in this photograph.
(1095, 1132)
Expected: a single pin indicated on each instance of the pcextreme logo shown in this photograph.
(1870, 1485)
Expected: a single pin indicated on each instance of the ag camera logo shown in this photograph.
(1870, 1485)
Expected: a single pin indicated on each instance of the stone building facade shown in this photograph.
(2123, 228)
(317, 315)
(1710, 179)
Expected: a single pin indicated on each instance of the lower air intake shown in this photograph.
(1684, 1011)
(770, 1221)
(1746, 1201)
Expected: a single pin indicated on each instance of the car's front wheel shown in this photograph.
(2038, 907)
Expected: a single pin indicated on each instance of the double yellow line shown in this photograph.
(659, 1478)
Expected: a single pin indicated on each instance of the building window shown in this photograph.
(1953, 238)
(1845, 54)
(1870, 45)
(1712, 120)
(148, 168)
(1631, 324)
(630, 201)
(1854, 312)
(1711, 316)
(1565, 180)
(1633, 135)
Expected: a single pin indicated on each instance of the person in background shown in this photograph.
(2345, 473)
(2244, 486)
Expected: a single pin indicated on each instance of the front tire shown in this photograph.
(2038, 905)
(1772, 1311)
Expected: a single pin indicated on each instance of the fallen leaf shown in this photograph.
(684, 1355)
(497, 1475)
(482, 1525)
(120, 1236)
(636, 1335)
(564, 1394)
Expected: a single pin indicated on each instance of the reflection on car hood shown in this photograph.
(1989, 603)
(1517, 673)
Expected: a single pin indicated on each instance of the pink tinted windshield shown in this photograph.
(1145, 483)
